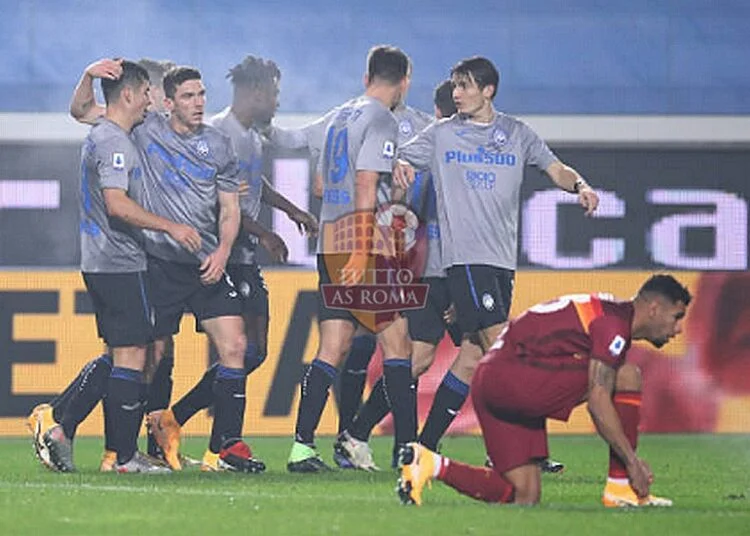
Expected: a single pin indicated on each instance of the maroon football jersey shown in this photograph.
(542, 358)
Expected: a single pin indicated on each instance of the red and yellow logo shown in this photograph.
(375, 263)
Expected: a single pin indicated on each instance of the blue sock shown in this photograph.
(353, 378)
(82, 396)
(229, 406)
(314, 386)
(126, 410)
(402, 399)
(449, 398)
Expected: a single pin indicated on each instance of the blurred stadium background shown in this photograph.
(650, 100)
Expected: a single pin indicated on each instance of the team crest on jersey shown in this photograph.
(499, 138)
(202, 148)
(405, 127)
(118, 161)
(617, 346)
(389, 149)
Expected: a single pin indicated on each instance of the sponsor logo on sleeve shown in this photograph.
(617, 346)
(118, 161)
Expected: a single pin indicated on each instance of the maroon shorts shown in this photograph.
(513, 400)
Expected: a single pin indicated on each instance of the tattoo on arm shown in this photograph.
(602, 375)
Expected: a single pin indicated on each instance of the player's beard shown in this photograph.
(190, 120)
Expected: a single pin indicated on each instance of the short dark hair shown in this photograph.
(156, 69)
(177, 76)
(254, 72)
(667, 286)
(481, 70)
(444, 98)
(387, 63)
(133, 75)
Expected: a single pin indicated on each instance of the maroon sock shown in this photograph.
(478, 482)
(628, 406)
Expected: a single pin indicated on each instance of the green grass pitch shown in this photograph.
(708, 477)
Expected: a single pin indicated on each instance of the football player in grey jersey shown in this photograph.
(255, 100)
(428, 325)
(80, 397)
(360, 143)
(191, 172)
(477, 159)
(113, 263)
(353, 375)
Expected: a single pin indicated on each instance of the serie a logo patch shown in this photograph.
(616, 346)
(118, 161)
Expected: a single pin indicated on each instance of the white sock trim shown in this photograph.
(438, 463)
(620, 481)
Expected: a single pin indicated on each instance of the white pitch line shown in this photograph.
(200, 492)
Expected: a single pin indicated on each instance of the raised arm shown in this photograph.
(83, 105)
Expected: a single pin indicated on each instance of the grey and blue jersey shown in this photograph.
(410, 122)
(109, 159)
(361, 136)
(421, 194)
(248, 147)
(310, 136)
(477, 171)
(184, 175)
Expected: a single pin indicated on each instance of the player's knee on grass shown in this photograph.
(527, 484)
(527, 497)
(628, 378)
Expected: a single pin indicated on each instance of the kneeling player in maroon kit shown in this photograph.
(550, 359)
